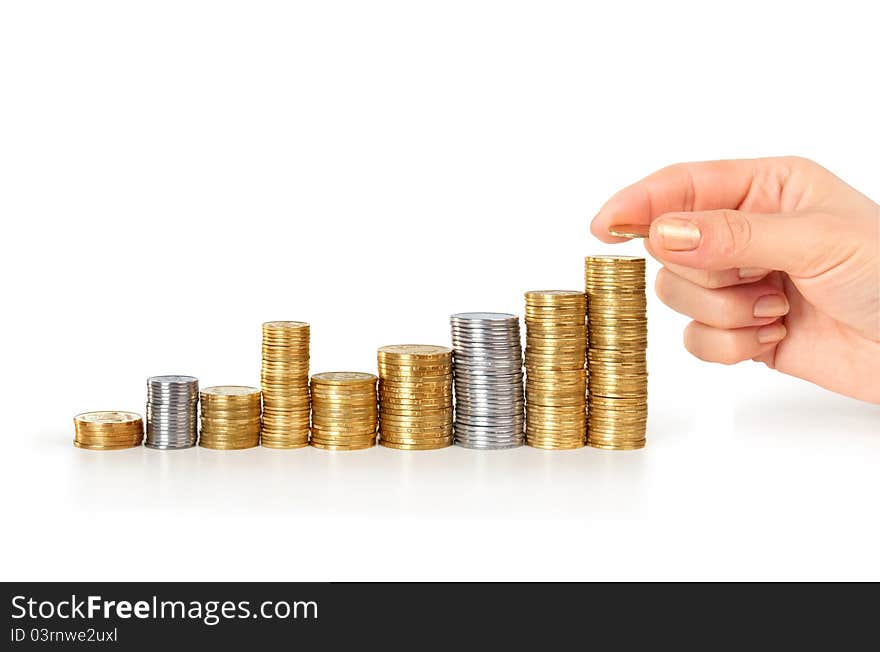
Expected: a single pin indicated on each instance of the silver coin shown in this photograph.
(173, 379)
(487, 391)
(470, 402)
(474, 433)
(496, 411)
(478, 331)
(464, 350)
(487, 375)
(466, 374)
(487, 383)
(488, 380)
(496, 434)
(172, 412)
(488, 447)
(477, 429)
(179, 407)
(463, 353)
(483, 316)
(165, 399)
(489, 418)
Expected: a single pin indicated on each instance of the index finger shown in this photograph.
(710, 185)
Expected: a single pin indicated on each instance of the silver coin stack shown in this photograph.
(172, 412)
(488, 376)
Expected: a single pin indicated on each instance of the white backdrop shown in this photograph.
(172, 174)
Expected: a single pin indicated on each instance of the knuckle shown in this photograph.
(728, 348)
(798, 162)
(695, 344)
(676, 169)
(713, 345)
(727, 308)
(712, 281)
(734, 233)
(661, 285)
(689, 340)
(680, 174)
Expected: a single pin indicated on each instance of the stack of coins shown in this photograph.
(172, 412)
(107, 431)
(230, 417)
(345, 410)
(616, 357)
(556, 377)
(285, 384)
(487, 363)
(415, 396)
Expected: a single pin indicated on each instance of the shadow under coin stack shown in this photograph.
(487, 364)
(230, 417)
(616, 357)
(556, 376)
(345, 412)
(107, 431)
(172, 412)
(415, 396)
(285, 384)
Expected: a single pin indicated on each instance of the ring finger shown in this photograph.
(729, 346)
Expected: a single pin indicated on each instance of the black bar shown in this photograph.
(415, 616)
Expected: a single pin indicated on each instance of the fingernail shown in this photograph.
(771, 305)
(677, 234)
(771, 333)
(752, 272)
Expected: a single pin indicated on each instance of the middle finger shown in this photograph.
(753, 304)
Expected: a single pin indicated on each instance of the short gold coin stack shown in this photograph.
(108, 430)
(345, 413)
(556, 376)
(230, 417)
(415, 396)
(616, 357)
(285, 384)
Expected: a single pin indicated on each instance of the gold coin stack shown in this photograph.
(415, 396)
(108, 430)
(556, 376)
(616, 357)
(230, 417)
(285, 384)
(344, 410)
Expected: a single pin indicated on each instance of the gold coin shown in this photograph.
(630, 230)
(224, 391)
(283, 445)
(228, 446)
(401, 374)
(417, 351)
(342, 447)
(343, 378)
(417, 447)
(108, 430)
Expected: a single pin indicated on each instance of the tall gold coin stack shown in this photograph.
(556, 376)
(616, 357)
(345, 412)
(230, 417)
(415, 396)
(285, 384)
(108, 430)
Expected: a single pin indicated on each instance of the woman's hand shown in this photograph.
(776, 260)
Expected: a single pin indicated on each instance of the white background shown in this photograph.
(172, 174)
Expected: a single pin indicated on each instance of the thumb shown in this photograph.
(801, 244)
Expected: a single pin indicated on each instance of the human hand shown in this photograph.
(776, 260)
